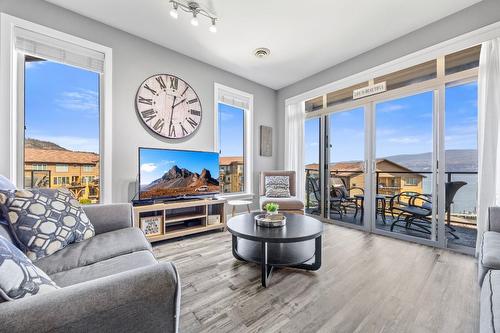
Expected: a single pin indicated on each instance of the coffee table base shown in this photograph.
(302, 255)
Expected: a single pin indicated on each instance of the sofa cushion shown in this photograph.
(5, 232)
(490, 256)
(19, 278)
(104, 268)
(291, 203)
(100, 247)
(44, 221)
(490, 303)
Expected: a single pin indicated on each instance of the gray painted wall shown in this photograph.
(469, 19)
(134, 59)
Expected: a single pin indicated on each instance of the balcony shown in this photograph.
(396, 190)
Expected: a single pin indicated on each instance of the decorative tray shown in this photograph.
(270, 220)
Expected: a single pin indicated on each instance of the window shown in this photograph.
(50, 93)
(234, 138)
(39, 167)
(87, 180)
(60, 101)
(411, 181)
(62, 168)
(88, 168)
(60, 181)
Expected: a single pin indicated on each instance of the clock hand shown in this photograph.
(172, 112)
(173, 106)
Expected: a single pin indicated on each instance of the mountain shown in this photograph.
(181, 178)
(456, 160)
(39, 144)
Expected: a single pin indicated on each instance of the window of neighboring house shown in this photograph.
(233, 139)
(62, 168)
(87, 179)
(88, 168)
(38, 167)
(60, 100)
(61, 181)
(411, 181)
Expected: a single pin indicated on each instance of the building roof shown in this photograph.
(227, 160)
(33, 155)
(348, 168)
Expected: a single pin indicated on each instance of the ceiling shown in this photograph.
(304, 37)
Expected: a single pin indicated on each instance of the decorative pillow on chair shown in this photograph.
(45, 221)
(18, 276)
(277, 186)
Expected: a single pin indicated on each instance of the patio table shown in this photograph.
(380, 199)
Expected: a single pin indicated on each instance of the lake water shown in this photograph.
(465, 201)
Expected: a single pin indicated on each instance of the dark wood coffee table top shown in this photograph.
(298, 228)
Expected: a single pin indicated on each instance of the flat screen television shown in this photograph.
(169, 174)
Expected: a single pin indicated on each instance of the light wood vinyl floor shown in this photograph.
(367, 283)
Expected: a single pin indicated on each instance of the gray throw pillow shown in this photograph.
(45, 221)
(18, 276)
(5, 184)
(277, 186)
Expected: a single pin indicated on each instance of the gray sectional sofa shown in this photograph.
(489, 274)
(109, 283)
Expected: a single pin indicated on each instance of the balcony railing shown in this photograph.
(389, 183)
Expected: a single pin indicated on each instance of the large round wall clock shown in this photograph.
(168, 106)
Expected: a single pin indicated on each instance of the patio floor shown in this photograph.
(466, 232)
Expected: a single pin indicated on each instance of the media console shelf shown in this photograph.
(180, 218)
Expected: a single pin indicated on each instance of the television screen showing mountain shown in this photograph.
(175, 173)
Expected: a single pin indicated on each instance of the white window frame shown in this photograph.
(248, 139)
(88, 168)
(10, 100)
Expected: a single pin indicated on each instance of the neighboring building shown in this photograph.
(392, 177)
(231, 174)
(56, 168)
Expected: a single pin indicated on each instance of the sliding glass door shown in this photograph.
(345, 174)
(404, 170)
(312, 159)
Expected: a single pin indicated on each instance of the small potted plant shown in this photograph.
(272, 208)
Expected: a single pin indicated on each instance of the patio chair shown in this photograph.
(335, 202)
(416, 217)
(346, 200)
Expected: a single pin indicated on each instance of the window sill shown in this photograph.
(236, 196)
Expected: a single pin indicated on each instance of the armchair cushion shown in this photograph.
(291, 203)
(490, 303)
(109, 217)
(44, 221)
(18, 276)
(100, 247)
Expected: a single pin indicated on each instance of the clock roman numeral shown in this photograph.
(192, 122)
(184, 132)
(148, 115)
(158, 126)
(195, 112)
(143, 100)
(150, 89)
(174, 82)
(171, 131)
(161, 82)
(194, 100)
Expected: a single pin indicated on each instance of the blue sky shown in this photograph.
(231, 130)
(62, 105)
(155, 162)
(403, 126)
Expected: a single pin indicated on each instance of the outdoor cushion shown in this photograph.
(104, 268)
(291, 203)
(19, 278)
(490, 303)
(100, 247)
(44, 221)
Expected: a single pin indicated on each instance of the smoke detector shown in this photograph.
(262, 52)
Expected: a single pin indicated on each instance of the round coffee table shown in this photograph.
(297, 244)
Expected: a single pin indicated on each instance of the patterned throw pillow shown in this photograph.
(45, 221)
(18, 276)
(277, 186)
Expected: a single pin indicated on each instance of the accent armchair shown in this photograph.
(288, 205)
